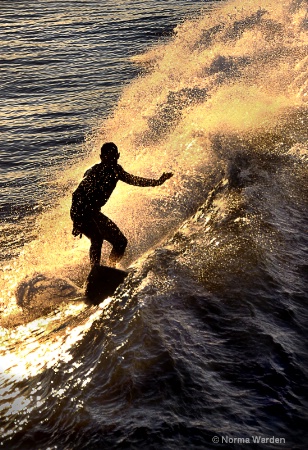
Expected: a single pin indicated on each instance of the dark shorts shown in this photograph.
(98, 228)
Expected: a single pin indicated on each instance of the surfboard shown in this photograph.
(102, 282)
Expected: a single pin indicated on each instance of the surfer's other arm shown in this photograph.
(143, 182)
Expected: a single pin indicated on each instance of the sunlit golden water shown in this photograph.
(237, 71)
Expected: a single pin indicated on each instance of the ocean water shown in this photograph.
(63, 66)
(205, 344)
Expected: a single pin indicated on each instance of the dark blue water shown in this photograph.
(204, 345)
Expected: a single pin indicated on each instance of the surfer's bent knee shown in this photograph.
(121, 244)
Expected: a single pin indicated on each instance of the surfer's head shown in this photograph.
(109, 152)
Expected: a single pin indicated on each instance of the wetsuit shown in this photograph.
(92, 193)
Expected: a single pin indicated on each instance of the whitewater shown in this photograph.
(204, 345)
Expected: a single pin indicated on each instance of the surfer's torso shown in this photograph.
(98, 184)
(95, 189)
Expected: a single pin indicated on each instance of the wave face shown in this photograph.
(206, 338)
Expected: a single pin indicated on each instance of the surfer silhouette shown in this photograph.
(92, 193)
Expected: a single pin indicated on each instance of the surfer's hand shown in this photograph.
(165, 176)
(76, 232)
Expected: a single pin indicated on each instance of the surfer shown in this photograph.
(92, 193)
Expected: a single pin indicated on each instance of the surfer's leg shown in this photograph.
(92, 229)
(95, 252)
(117, 252)
(111, 233)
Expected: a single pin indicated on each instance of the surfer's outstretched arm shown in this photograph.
(143, 182)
